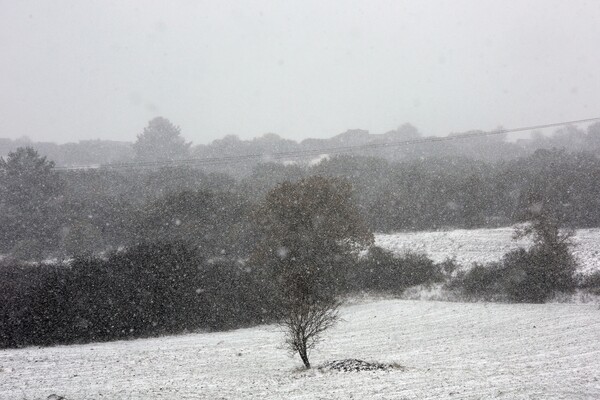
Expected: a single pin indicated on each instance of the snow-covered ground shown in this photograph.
(483, 245)
(449, 351)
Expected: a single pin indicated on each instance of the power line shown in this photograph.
(211, 161)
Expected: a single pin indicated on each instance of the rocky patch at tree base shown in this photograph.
(354, 365)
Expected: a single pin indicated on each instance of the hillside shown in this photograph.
(449, 351)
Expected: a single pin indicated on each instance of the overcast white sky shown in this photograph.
(72, 70)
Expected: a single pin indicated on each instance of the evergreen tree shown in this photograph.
(161, 141)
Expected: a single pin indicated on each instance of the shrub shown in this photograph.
(524, 276)
(382, 271)
(591, 282)
(480, 282)
(548, 266)
(534, 275)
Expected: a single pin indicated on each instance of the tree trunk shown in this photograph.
(304, 357)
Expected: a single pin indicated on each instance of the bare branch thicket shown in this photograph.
(304, 322)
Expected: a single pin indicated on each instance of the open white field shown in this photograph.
(483, 245)
(449, 350)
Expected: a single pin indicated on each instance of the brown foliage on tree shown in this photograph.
(311, 232)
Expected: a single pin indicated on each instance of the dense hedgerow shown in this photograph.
(154, 289)
(149, 289)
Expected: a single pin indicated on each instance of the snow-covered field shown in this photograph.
(483, 245)
(449, 351)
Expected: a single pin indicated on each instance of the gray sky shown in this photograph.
(80, 69)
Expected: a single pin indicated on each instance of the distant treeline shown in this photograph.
(488, 148)
(44, 213)
(84, 152)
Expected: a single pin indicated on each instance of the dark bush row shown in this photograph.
(380, 271)
(154, 289)
(147, 290)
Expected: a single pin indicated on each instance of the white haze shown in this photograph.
(74, 70)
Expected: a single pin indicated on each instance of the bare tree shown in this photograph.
(305, 321)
